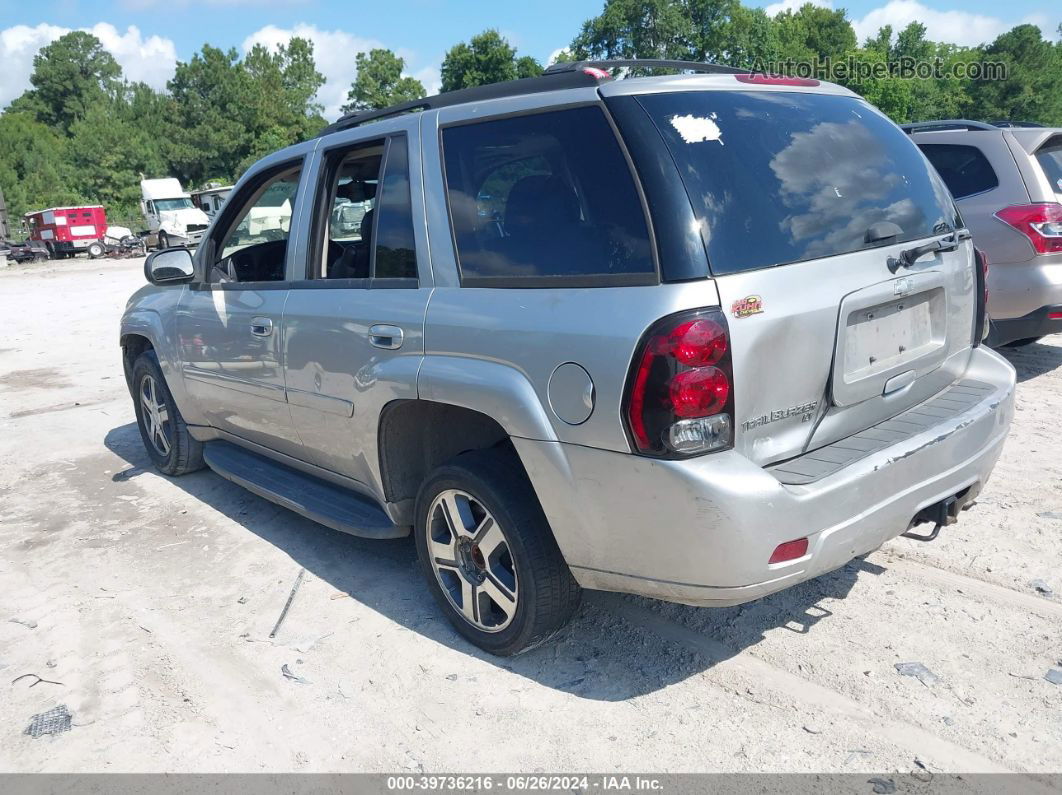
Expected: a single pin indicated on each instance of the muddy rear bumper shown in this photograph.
(702, 531)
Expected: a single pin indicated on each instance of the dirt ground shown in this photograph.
(147, 602)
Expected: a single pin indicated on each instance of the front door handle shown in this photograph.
(386, 336)
(261, 326)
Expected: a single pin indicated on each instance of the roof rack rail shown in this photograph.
(1015, 124)
(550, 81)
(645, 63)
(945, 124)
(559, 76)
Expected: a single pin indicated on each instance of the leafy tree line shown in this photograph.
(83, 133)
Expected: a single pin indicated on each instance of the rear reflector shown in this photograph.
(790, 550)
(776, 80)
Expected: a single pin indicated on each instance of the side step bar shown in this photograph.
(316, 499)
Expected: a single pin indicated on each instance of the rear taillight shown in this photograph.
(680, 397)
(1041, 223)
(980, 329)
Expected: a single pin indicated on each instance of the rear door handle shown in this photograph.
(386, 336)
(261, 326)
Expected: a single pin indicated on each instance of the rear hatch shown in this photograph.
(804, 201)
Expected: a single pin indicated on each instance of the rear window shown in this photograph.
(782, 177)
(1050, 159)
(545, 199)
(964, 169)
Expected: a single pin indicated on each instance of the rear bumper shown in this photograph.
(1035, 324)
(701, 531)
(1019, 290)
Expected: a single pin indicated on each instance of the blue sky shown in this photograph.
(147, 36)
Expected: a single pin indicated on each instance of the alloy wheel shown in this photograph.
(472, 561)
(154, 415)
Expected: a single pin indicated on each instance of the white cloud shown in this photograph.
(955, 27)
(151, 59)
(334, 52)
(794, 5)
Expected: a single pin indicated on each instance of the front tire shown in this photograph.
(164, 241)
(489, 556)
(170, 446)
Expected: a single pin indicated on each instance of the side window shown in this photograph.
(369, 227)
(396, 255)
(964, 169)
(1049, 157)
(547, 196)
(255, 244)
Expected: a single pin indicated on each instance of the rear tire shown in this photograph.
(514, 592)
(95, 250)
(163, 430)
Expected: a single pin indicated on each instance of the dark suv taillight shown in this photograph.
(680, 396)
(1041, 223)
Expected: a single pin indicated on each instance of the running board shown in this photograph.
(316, 499)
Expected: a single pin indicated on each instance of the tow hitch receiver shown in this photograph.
(943, 513)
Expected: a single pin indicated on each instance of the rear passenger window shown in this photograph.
(1050, 159)
(370, 221)
(545, 199)
(964, 169)
(396, 256)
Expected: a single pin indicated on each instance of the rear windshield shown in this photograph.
(1050, 160)
(781, 177)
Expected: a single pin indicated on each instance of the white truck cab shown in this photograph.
(172, 218)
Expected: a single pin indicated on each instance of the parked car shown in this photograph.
(1007, 182)
(724, 337)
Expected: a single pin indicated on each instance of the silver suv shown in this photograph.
(1007, 182)
(715, 334)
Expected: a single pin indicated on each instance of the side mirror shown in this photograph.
(170, 266)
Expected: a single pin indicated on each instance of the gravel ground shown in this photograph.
(148, 602)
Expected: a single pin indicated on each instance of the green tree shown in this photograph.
(713, 31)
(282, 86)
(211, 119)
(486, 58)
(636, 29)
(33, 168)
(107, 155)
(71, 75)
(1032, 90)
(813, 32)
(380, 83)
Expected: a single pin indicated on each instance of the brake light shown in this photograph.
(1054, 315)
(1041, 223)
(597, 74)
(680, 395)
(776, 80)
(790, 550)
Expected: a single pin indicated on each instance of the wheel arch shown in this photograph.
(416, 436)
